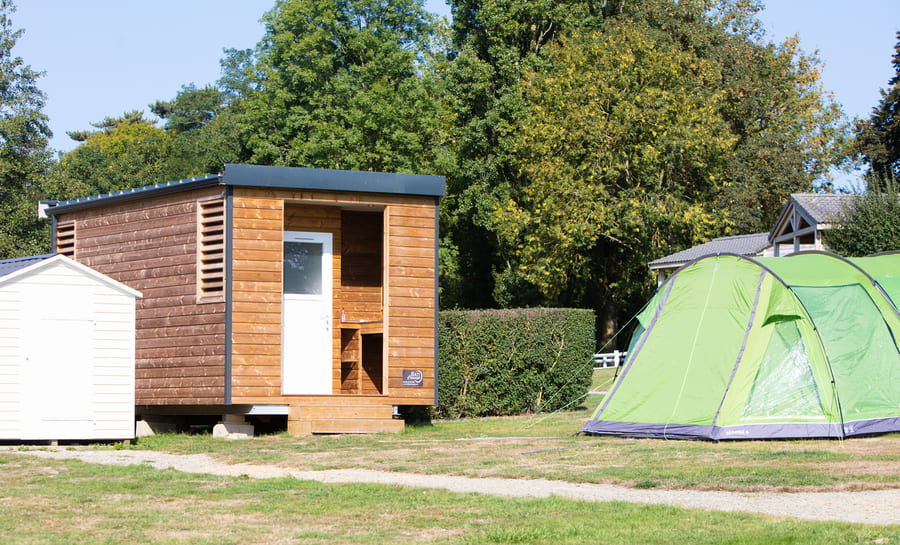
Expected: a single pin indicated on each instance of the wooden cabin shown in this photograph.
(66, 352)
(274, 291)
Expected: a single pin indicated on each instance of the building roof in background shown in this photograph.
(8, 266)
(819, 209)
(823, 208)
(747, 245)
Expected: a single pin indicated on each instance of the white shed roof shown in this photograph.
(11, 269)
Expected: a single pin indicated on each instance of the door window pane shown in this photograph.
(303, 268)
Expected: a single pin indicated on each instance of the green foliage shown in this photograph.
(191, 108)
(878, 138)
(493, 43)
(789, 130)
(203, 126)
(593, 140)
(109, 124)
(622, 148)
(129, 151)
(340, 84)
(869, 224)
(24, 153)
(121, 156)
(502, 362)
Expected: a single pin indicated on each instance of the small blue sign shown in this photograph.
(413, 377)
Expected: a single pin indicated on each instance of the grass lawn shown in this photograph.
(70, 502)
(48, 501)
(545, 446)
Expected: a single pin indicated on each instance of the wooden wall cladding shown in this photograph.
(406, 226)
(411, 298)
(258, 235)
(362, 275)
(151, 246)
(257, 239)
(384, 270)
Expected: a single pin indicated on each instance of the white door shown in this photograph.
(58, 379)
(306, 366)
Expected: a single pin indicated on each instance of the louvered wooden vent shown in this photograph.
(211, 251)
(65, 239)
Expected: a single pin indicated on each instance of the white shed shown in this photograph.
(66, 352)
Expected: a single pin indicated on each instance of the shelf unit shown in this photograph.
(362, 366)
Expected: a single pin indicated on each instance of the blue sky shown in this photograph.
(105, 57)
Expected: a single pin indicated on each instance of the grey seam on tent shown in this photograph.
(886, 296)
(637, 350)
(762, 276)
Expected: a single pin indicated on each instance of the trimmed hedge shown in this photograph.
(506, 362)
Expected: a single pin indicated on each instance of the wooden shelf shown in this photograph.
(361, 358)
(364, 327)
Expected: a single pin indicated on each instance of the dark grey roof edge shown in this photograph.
(274, 177)
(135, 194)
(334, 180)
(8, 266)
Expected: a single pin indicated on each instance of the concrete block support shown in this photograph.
(233, 426)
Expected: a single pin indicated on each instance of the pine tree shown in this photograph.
(878, 138)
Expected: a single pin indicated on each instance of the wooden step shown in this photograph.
(357, 425)
(347, 412)
(342, 416)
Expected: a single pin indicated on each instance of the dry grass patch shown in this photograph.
(87, 503)
(544, 446)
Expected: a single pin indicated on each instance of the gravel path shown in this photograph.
(872, 507)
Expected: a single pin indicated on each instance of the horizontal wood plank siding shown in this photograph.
(361, 265)
(151, 246)
(257, 245)
(411, 299)
(406, 293)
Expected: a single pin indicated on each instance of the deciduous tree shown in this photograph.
(125, 152)
(340, 84)
(24, 152)
(494, 42)
(638, 129)
(870, 223)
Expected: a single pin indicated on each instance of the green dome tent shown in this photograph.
(737, 348)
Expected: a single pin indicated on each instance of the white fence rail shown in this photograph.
(609, 359)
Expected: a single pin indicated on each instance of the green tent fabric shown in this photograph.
(737, 348)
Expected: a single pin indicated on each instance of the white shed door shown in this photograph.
(57, 401)
(306, 366)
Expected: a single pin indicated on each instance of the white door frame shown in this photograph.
(307, 338)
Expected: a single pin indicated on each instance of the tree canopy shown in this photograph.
(870, 223)
(592, 140)
(580, 139)
(878, 138)
(126, 152)
(24, 152)
(342, 84)
(191, 108)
